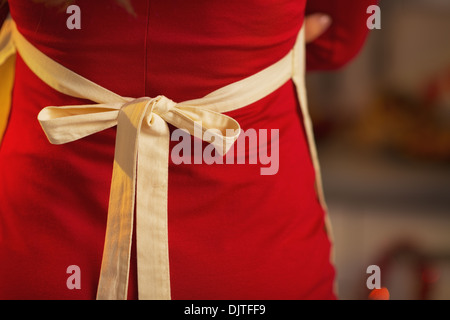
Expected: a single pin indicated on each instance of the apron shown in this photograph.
(140, 171)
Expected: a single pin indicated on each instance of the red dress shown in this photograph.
(233, 233)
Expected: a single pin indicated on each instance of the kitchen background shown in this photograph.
(382, 127)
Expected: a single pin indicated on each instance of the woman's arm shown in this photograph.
(344, 38)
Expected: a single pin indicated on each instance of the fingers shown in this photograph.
(315, 25)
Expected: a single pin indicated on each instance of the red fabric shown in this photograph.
(233, 234)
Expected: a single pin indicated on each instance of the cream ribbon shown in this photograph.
(140, 170)
(7, 68)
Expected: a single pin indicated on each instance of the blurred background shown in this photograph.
(382, 127)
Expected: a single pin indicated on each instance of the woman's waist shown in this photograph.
(24, 135)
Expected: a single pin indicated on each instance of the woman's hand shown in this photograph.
(315, 25)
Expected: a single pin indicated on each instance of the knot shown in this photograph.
(161, 105)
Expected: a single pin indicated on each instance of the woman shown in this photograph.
(232, 232)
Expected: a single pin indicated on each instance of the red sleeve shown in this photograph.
(345, 37)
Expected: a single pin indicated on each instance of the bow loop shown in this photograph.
(69, 123)
(213, 127)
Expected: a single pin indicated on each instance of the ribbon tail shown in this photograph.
(113, 283)
(151, 211)
(7, 76)
(7, 68)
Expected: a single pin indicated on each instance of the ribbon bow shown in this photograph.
(140, 172)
